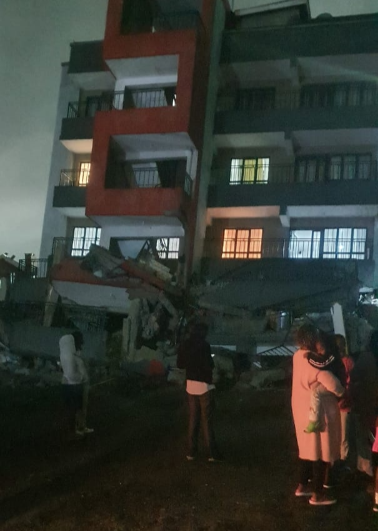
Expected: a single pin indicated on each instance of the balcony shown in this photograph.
(327, 37)
(71, 192)
(147, 22)
(151, 178)
(34, 268)
(122, 100)
(300, 184)
(343, 106)
(290, 248)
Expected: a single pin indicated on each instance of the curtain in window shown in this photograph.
(236, 171)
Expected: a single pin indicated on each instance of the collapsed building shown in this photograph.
(209, 159)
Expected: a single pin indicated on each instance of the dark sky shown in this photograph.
(34, 40)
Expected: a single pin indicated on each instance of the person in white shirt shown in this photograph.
(75, 381)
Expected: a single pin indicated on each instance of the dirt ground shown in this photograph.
(132, 475)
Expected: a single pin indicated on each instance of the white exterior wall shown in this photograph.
(54, 223)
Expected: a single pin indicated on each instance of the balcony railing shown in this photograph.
(121, 100)
(163, 22)
(36, 268)
(306, 172)
(90, 318)
(271, 99)
(342, 249)
(74, 178)
(150, 178)
(177, 21)
(71, 247)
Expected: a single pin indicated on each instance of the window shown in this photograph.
(256, 99)
(338, 95)
(344, 243)
(304, 244)
(332, 168)
(168, 248)
(83, 238)
(349, 167)
(310, 169)
(85, 168)
(339, 243)
(249, 171)
(242, 243)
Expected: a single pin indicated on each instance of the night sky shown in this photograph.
(34, 41)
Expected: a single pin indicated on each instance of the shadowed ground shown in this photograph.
(132, 474)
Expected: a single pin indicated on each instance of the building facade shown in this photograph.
(232, 140)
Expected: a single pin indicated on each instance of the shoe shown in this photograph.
(217, 459)
(321, 499)
(190, 458)
(328, 486)
(304, 490)
(375, 508)
(312, 427)
(88, 430)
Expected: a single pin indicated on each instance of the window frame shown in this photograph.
(323, 253)
(245, 169)
(327, 167)
(79, 251)
(233, 246)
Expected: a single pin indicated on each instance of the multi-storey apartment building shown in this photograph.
(242, 143)
(125, 165)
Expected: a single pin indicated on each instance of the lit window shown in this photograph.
(340, 243)
(83, 238)
(242, 243)
(85, 168)
(168, 248)
(249, 171)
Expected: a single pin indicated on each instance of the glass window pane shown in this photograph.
(368, 93)
(354, 95)
(228, 250)
(335, 169)
(300, 244)
(364, 165)
(301, 171)
(359, 244)
(350, 166)
(262, 170)
(255, 243)
(249, 171)
(242, 244)
(173, 248)
(85, 168)
(340, 97)
(236, 171)
(311, 170)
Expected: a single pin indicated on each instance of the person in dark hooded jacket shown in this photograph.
(194, 355)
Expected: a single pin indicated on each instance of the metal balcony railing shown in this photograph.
(90, 318)
(305, 171)
(71, 247)
(341, 249)
(36, 268)
(272, 99)
(74, 178)
(150, 178)
(121, 100)
(159, 22)
(177, 21)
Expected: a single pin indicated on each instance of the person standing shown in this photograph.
(75, 382)
(317, 450)
(345, 402)
(194, 355)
